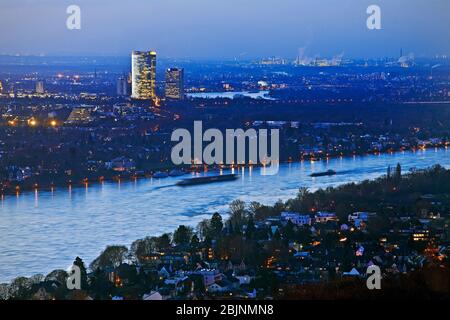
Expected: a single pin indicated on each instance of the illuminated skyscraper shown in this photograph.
(175, 84)
(40, 87)
(1, 86)
(143, 75)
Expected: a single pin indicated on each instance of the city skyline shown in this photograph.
(232, 30)
(231, 152)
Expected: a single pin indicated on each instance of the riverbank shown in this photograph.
(41, 184)
(279, 263)
(53, 227)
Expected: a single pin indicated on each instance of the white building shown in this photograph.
(358, 218)
(297, 219)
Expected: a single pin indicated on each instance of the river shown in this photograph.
(231, 95)
(43, 231)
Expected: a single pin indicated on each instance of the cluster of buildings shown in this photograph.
(294, 250)
(308, 262)
(143, 79)
(140, 84)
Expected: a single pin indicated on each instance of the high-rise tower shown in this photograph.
(143, 74)
(174, 84)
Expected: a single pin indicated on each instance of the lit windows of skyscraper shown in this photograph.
(174, 84)
(40, 87)
(1, 87)
(143, 74)
(122, 87)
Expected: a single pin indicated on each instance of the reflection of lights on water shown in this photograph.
(36, 197)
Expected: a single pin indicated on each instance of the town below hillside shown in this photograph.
(318, 245)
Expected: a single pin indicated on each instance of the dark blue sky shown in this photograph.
(226, 28)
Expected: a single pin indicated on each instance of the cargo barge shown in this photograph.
(322, 174)
(205, 180)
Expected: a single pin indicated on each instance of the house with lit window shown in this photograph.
(360, 218)
(323, 217)
(121, 164)
(297, 219)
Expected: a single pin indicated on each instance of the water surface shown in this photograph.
(43, 231)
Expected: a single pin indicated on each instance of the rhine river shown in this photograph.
(43, 231)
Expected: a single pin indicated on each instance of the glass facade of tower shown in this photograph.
(143, 75)
(174, 84)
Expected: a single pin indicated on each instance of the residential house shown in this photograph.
(153, 295)
(323, 217)
(297, 219)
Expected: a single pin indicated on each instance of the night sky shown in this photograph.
(226, 29)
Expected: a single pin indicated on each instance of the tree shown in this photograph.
(254, 207)
(112, 256)
(266, 280)
(377, 226)
(237, 215)
(163, 242)
(279, 207)
(100, 285)
(182, 235)
(204, 229)
(289, 232)
(398, 172)
(194, 241)
(250, 231)
(143, 247)
(20, 288)
(303, 192)
(59, 276)
(4, 291)
(216, 224)
(84, 279)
